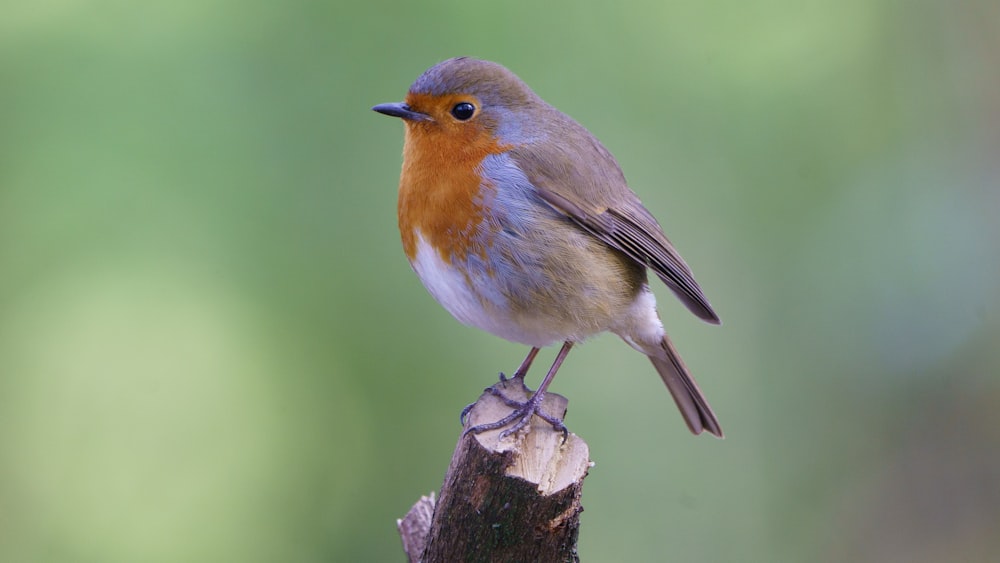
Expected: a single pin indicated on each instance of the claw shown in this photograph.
(465, 413)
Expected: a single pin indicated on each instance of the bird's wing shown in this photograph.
(582, 181)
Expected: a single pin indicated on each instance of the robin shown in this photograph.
(519, 222)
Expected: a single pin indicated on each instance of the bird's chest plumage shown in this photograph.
(447, 227)
(497, 258)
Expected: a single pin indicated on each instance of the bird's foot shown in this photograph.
(493, 391)
(519, 417)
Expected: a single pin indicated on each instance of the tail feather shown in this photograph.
(692, 404)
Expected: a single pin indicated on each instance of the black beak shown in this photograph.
(403, 111)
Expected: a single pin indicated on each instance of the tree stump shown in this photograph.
(516, 499)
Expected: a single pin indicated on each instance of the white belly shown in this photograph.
(448, 285)
(475, 302)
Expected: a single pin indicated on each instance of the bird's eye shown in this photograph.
(463, 111)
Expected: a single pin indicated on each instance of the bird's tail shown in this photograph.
(692, 404)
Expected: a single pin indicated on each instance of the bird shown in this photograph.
(519, 222)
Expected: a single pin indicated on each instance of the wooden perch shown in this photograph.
(516, 499)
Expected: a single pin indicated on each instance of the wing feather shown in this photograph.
(623, 230)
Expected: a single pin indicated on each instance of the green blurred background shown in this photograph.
(212, 348)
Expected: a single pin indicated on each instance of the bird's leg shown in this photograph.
(521, 371)
(524, 411)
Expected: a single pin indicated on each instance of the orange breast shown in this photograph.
(440, 189)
